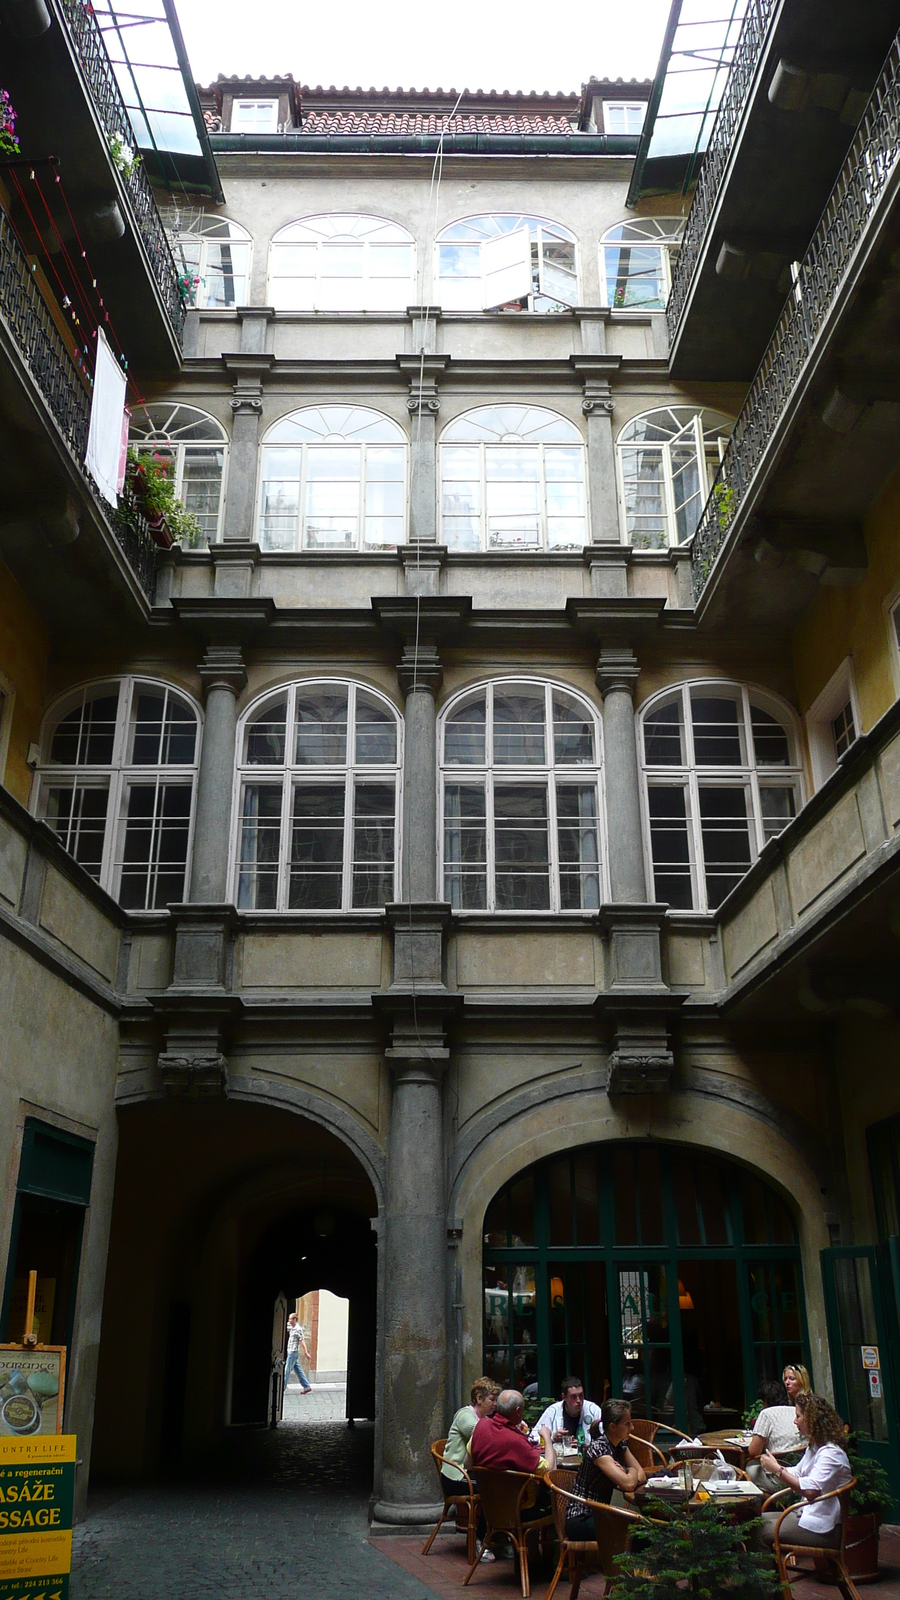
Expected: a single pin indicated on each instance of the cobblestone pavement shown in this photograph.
(280, 1513)
(327, 1403)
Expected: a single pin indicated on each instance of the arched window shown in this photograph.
(318, 800)
(506, 263)
(116, 784)
(722, 776)
(667, 461)
(636, 262)
(521, 799)
(214, 254)
(512, 478)
(196, 446)
(333, 478)
(342, 262)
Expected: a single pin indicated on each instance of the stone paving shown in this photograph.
(281, 1512)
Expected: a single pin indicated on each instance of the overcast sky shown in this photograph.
(473, 44)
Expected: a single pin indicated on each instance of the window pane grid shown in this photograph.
(719, 785)
(666, 461)
(332, 496)
(515, 838)
(322, 836)
(339, 263)
(513, 496)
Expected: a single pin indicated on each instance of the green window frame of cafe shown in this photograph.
(587, 1253)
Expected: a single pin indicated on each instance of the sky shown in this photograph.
(471, 44)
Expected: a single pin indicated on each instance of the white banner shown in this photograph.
(107, 410)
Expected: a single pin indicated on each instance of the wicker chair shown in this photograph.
(643, 1428)
(835, 1558)
(645, 1453)
(502, 1495)
(467, 1497)
(613, 1529)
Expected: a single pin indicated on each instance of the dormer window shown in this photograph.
(254, 116)
(623, 116)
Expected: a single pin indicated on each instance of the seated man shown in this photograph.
(501, 1442)
(607, 1464)
(569, 1419)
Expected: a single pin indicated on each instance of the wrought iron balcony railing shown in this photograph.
(45, 353)
(747, 52)
(101, 80)
(868, 170)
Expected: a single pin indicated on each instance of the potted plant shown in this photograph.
(151, 478)
(9, 142)
(870, 1502)
(699, 1552)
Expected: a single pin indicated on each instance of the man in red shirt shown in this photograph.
(502, 1441)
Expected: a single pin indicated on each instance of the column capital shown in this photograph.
(419, 669)
(247, 370)
(423, 373)
(617, 669)
(222, 667)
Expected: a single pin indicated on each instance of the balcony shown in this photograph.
(832, 362)
(48, 404)
(800, 78)
(70, 109)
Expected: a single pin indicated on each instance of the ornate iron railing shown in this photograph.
(46, 355)
(101, 80)
(868, 169)
(747, 52)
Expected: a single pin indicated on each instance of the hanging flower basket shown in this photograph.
(9, 142)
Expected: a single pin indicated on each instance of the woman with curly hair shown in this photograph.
(823, 1467)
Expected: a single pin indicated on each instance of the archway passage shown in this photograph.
(222, 1209)
(667, 1276)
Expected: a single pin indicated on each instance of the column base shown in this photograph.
(391, 1516)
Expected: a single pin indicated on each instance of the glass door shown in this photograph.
(861, 1321)
(649, 1341)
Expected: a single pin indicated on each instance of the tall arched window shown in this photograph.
(521, 799)
(214, 254)
(667, 461)
(506, 263)
(722, 776)
(333, 478)
(196, 446)
(318, 800)
(116, 784)
(512, 478)
(342, 262)
(636, 262)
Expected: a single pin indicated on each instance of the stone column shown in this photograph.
(598, 406)
(223, 675)
(617, 674)
(414, 1375)
(423, 404)
(247, 369)
(420, 676)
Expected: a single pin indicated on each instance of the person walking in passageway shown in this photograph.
(297, 1346)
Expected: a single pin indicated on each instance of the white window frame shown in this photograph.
(162, 439)
(303, 445)
(589, 775)
(688, 776)
(271, 123)
(668, 244)
(701, 449)
(840, 688)
(538, 228)
(289, 773)
(197, 227)
(543, 546)
(117, 776)
(626, 106)
(326, 227)
(7, 712)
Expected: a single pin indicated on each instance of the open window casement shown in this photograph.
(505, 269)
(557, 277)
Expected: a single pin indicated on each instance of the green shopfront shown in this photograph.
(668, 1276)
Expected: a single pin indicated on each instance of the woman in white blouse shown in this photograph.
(823, 1467)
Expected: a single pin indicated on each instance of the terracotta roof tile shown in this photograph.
(378, 122)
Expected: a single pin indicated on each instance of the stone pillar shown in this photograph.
(414, 1375)
(617, 674)
(423, 371)
(598, 406)
(223, 676)
(420, 676)
(246, 369)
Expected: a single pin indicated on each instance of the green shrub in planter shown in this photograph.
(695, 1553)
(873, 1490)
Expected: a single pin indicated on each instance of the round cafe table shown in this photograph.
(740, 1507)
(722, 1439)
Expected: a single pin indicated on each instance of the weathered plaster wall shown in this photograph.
(23, 661)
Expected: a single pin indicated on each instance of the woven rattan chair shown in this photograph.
(835, 1558)
(645, 1453)
(467, 1497)
(613, 1529)
(644, 1428)
(502, 1495)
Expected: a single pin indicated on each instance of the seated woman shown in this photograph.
(775, 1430)
(607, 1464)
(483, 1394)
(823, 1467)
(796, 1381)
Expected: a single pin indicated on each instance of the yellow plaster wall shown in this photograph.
(842, 622)
(23, 660)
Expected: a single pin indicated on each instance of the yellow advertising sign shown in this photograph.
(37, 1485)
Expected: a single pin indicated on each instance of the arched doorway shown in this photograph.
(669, 1276)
